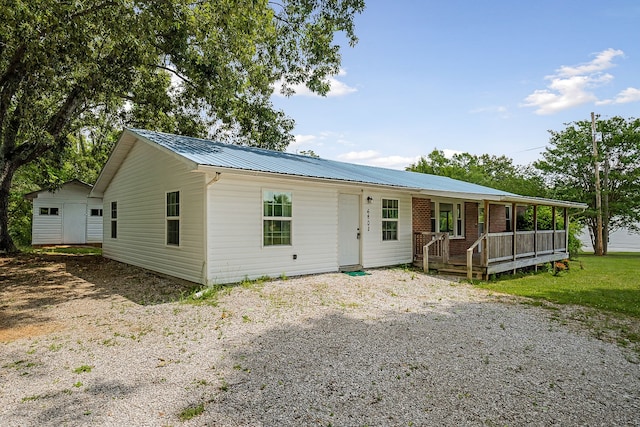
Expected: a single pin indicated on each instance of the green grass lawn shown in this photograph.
(610, 283)
(77, 250)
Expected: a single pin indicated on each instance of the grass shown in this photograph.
(190, 412)
(76, 250)
(211, 294)
(608, 283)
(82, 369)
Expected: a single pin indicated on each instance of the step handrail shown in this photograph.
(435, 237)
(470, 255)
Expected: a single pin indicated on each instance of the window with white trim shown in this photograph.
(390, 215)
(277, 214)
(447, 217)
(114, 220)
(507, 215)
(96, 212)
(49, 211)
(173, 218)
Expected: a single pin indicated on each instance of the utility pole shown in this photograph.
(599, 244)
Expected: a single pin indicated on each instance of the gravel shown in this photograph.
(392, 348)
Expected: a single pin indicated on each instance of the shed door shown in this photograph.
(348, 230)
(74, 223)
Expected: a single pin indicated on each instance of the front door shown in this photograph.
(348, 230)
(74, 223)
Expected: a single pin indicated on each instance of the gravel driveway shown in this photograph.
(392, 348)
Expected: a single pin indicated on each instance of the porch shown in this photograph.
(491, 253)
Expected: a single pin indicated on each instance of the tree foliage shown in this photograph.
(491, 171)
(189, 67)
(568, 166)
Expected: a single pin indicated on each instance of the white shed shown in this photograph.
(67, 216)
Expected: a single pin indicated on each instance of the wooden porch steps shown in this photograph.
(461, 272)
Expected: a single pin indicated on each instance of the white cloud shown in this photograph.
(394, 162)
(499, 110)
(449, 153)
(572, 85)
(338, 88)
(358, 155)
(630, 94)
(602, 61)
(302, 140)
(374, 158)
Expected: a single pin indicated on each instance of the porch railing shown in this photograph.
(493, 248)
(527, 244)
(434, 246)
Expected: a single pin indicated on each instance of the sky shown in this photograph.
(476, 76)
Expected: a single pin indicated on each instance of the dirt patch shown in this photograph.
(36, 290)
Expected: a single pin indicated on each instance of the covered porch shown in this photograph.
(499, 236)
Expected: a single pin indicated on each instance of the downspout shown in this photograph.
(205, 264)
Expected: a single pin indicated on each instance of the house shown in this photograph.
(67, 215)
(211, 212)
(620, 240)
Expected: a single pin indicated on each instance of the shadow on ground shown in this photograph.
(31, 285)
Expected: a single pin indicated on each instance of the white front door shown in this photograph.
(74, 223)
(348, 229)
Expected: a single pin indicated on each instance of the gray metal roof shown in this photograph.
(217, 154)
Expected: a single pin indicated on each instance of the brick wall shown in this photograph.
(460, 246)
(421, 215)
(498, 218)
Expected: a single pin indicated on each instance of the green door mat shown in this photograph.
(357, 273)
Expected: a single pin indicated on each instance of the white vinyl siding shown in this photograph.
(94, 222)
(235, 245)
(235, 229)
(140, 187)
(377, 252)
(46, 229)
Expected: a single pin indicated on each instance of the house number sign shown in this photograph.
(368, 220)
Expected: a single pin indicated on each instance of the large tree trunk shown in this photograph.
(6, 176)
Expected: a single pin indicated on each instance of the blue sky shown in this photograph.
(477, 76)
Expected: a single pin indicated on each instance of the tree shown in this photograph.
(568, 165)
(491, 171)
(189, 67)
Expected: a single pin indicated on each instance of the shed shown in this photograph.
(211, 212)
(66, 216)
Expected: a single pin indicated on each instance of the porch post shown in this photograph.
(487, 229)
(514, 248)
(535, 231)
(553, 221)
(566, 229)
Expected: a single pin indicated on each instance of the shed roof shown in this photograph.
(207, 155)
(73, 182)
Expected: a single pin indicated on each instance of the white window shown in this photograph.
(96, 212)
(447, 217)
(507, 211)
(49, 211)
(390, 219)
(277, 214)
(114, 220)
(173, 218)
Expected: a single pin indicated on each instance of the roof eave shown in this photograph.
(121, 150)
(502, 198)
